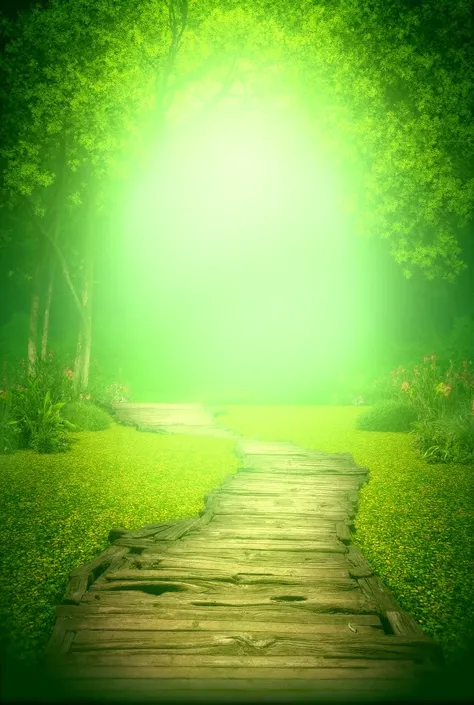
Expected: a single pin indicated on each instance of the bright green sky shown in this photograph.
(236, 239)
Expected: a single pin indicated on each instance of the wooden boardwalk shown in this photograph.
(261, 598)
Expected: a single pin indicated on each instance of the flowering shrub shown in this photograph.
(31, 404)
(432, 390)
(443, 399)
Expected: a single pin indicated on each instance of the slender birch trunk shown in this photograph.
(84, 341)
(34, 308)
(47, 310)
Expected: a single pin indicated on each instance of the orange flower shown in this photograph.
(404, 386)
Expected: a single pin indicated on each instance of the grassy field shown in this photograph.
(415, 520)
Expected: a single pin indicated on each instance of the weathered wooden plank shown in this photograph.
(150, 530)
(261, 460)
(147, 624)
(101, 563)
(248, 478)
(235, 674)
(222, 585)
(225, 499)
(223, 582)
(76, 588)
(134, 544)
(193, 613)
(359, 565)
(349, 602)
(231, 642)
(343, 533)
(375, 589)
(272, 493)
(269, 512)
(264, 533)
(238, 521)
(58, 636)
(150, 658)
(253, 544)
(175, 532)
(252, 556)
(303, 471)
(229, 568)
(404, 625)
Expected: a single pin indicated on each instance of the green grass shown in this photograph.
(415, 520)
(57, 511)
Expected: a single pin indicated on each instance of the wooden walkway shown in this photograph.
(261, 598)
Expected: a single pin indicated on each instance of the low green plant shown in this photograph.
(86, 416)
(9, 431)
(446, 439)
(388, 415)
(44, 429)
(34, 401)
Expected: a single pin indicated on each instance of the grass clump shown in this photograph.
(388, 415)
(9, 431)
(447, 438)
(86, 416)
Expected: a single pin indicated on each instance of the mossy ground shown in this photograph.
(57, 511)
(415, 521)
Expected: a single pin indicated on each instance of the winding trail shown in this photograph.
(261, 598)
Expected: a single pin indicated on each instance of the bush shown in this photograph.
(33, 403)
(9, 431)
(387, 415)
(86, 416)
(447, 439)
(432, 389)
(40, 428)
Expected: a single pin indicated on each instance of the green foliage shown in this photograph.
(34, 403)
(9, 431)
(434, 390)
(85, 416)
(389, 415)
(41, 428)
(447, 439)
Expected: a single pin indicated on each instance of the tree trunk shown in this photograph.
(49, 291)
(34, 308)
(47, 310)
(84, 341)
